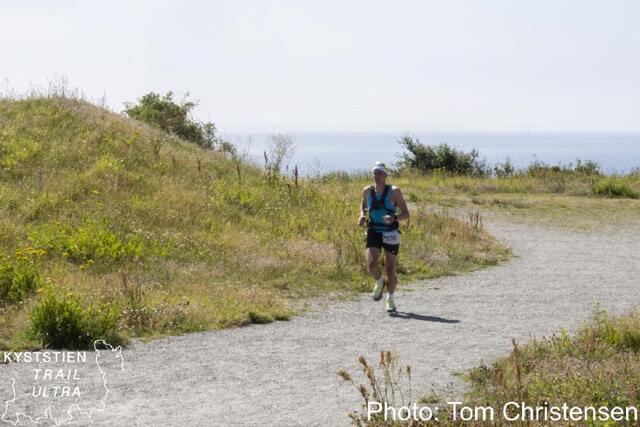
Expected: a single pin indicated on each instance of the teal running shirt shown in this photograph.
(376, 221)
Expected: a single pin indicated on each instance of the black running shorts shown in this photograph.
(374, 240)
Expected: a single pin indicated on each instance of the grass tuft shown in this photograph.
(614, 187)
(66, 322)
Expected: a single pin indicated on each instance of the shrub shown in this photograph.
(279, 153)
(588, 167)
(18, 279)
(614, 187)
(91, 241)
(163, 112)
(65, 322)
(504, 170)
(427, 158)
(538, 169)
(258, 318)
(620, 332)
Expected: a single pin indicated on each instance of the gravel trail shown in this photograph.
(283, 374)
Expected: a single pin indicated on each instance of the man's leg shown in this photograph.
(392, 279)
(373, 257)
(390, 268)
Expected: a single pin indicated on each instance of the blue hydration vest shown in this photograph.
(378, 207)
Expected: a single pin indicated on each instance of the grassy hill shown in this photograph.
(110, 227)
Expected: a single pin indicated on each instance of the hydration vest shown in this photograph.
(378, 208)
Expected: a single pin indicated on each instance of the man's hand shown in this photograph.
(389, 219)
(362, 221)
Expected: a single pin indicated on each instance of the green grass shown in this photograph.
(550, 197)
(18, 279)
(598, 366)
(180, 239)
(564, 199)
(615, 187)
(177, 238)
(546, 181)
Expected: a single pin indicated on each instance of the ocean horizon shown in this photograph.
(320, 152)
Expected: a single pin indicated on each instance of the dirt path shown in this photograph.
(283, 374)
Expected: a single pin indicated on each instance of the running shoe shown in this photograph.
(391, 306)
(377, 289)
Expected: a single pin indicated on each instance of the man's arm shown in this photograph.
(400, 203)
(363, 208)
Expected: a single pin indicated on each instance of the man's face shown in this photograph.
(379, 176)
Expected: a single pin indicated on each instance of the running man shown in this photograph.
(378, 209)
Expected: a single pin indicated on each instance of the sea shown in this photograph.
(318, 152)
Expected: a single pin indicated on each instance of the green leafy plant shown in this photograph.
(614, 187)
(504, 170)
(173, 117)
(89, 242)
(18, 279)
(442, 157)
(67, 322)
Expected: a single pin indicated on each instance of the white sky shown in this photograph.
(344, 65)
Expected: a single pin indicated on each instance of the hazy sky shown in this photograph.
(344, 65)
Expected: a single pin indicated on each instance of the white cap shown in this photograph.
(379, 166)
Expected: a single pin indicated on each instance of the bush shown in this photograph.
(89, 242)
(620, 332)
(68, 323)
(504, 170)
(614, 187)
(589, 167)
(539, 169)
(163, 112)
(18, 279)
(426, 159)
(279, 153)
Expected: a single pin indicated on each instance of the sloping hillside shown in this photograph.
(118, 217)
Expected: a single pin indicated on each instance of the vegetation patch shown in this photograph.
(614, 187)
(19, 278)
(86, 243)
(598, 366)
(203, 238)
(67, 322)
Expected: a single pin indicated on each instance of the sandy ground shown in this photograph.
(283, 374)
